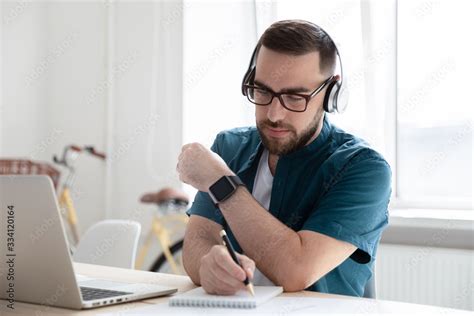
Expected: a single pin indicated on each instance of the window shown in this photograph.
(423, 102)
(434, 113)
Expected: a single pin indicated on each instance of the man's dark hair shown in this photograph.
(299, 37)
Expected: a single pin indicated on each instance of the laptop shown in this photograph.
(35, 263)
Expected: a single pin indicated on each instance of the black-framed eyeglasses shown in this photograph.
(294, 102)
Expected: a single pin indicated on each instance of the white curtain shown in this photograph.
(219, 38)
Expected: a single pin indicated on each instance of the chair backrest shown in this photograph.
(370, 290)
(111, 243)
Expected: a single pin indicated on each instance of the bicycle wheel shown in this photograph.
(162, 265)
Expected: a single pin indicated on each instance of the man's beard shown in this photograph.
(293, 142)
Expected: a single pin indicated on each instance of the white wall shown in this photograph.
(79, 72)
(22, 119)
(51, 59)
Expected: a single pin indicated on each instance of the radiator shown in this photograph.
(425, 275)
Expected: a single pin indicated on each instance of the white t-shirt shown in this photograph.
(262, 191)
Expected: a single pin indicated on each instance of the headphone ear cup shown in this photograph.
(330, 98)
(342, 98)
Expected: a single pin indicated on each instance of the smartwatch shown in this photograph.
(223, 188)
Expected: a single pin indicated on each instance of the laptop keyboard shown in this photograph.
(89, 293)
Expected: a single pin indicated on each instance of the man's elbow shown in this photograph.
(293, 286)
(195, 280)
(193, 276)
(296, 282)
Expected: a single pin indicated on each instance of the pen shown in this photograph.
(226, 242)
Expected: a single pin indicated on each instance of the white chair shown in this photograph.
(110, 243)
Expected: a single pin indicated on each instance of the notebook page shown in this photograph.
(242, 299)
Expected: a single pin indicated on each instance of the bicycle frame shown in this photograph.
(162, 233)
(69, 156)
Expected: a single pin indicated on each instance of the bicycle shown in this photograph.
(68, 211)
(168, 219)
(170, 216)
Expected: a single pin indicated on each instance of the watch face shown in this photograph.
(222, 188)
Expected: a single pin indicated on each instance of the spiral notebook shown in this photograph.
(242, 299)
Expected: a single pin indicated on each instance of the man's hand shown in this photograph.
(219, 274)
(200, 167)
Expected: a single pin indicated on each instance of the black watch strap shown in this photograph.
(223, 188)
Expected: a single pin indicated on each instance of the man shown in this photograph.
(313, 203)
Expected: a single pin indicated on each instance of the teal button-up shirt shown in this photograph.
(336, 185)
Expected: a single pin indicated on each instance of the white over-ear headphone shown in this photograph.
(337, 94)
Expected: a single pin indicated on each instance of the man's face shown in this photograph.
(283, 131)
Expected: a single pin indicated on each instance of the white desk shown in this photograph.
(183, 284)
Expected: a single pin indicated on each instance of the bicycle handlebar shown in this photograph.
(76, 149)
(91, 150)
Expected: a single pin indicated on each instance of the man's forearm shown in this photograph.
(192, 254)
(195, 246)
(273, 246)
